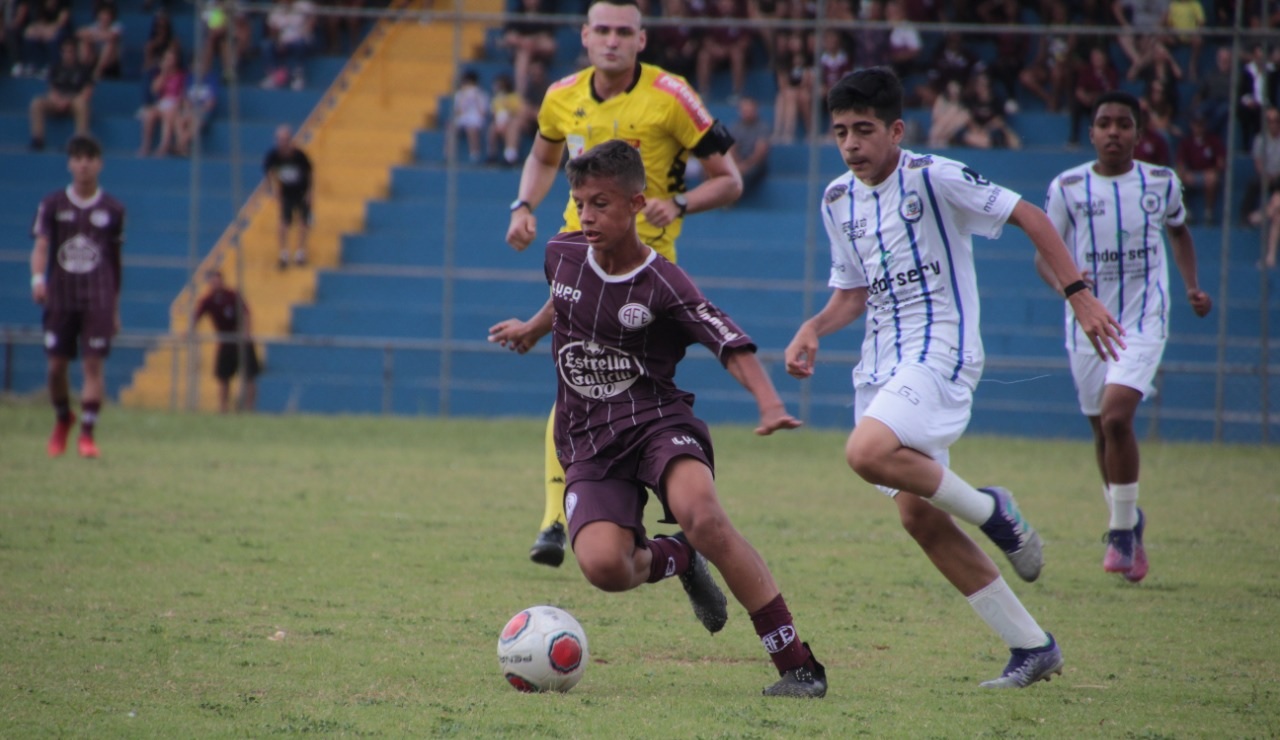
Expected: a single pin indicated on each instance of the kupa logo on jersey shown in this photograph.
(911, 208)
(595, 371)
(566, 292)
(635, 316)
(78, 255)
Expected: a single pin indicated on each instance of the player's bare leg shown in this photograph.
(691, 494)
(304, 234)
(60, 397)
(282, 242)
(1126, 553)
(224, 396)
(608, 557)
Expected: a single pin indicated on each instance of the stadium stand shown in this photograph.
(412, 267)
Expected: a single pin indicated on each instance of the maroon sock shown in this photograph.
(89, 416)
(778, 634)
(670, 557)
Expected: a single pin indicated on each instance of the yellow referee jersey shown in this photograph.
(659, 114)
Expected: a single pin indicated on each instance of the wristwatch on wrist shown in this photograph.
(517, 204)
(682, 202)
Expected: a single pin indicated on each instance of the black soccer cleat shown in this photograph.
(548, 549)
(803, 682)
(709, 603)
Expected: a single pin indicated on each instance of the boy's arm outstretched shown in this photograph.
(521, 336)
(744, 366)
(843, 308)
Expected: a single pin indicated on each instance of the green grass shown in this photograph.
(140, 594)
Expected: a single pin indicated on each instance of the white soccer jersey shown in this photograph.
(1114, 228)
(909, 242)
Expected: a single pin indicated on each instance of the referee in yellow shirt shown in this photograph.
(658, 113)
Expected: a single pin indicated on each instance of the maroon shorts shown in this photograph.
(93, 327)
(611, 486)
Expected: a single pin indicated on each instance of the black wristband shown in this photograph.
(1074, 288)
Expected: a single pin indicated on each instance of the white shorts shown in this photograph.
(926, 412)
(1136, 369)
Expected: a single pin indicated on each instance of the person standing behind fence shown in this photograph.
(654, 111)
(289, 178)
(1111, 213)
(76, 277)
(229, 313)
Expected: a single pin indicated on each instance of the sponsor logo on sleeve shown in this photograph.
(835, 192)
(1070, 180)
(563, 82)
(688, 99)
(726, 334)
(974, 178)
(1160, 172)
(919, 162)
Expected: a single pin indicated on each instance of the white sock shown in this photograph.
(961, 500)
(999, 607)
(1106, 496)
(1124, 505)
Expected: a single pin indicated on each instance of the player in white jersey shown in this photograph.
(1112, 213)
(900, 226)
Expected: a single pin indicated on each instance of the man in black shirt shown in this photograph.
(70, 88)
(288, 171)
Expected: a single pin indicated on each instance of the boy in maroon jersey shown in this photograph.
(230, 316)
(621, 317)
(75, 276)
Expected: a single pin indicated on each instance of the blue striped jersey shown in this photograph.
(1114, 228)
(908, 241)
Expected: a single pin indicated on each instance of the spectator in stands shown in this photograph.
(159, 39)
(871, 45)
(1185, 18)
(724, 43)
(750, 150)
(198, 106)
(70, 92)
(168, 88)
(470, 114)
(673, 47)
(1011, 49)
(509, 119)
(1258, 83)
(1092, 79)
(1139, 20)
(1273, 232)
(949, 116)
(1155, 62)
(228, 37)
(1048, 76)
(1213, 98)
(14, 17)
(952, 61)
(291, 180)
(290, 38)
(1162, 111)
(834, 62)
(105, 36)
(905, 44)
(50, 24)
(1151, 146)
(529, 41)
(229, 313)
(536, 90)
(794, 74)
(1202, 160)
(987, 127)
(1266, 166)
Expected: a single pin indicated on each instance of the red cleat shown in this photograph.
(86, 446)
(58, 440)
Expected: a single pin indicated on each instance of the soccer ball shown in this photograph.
(542, 649)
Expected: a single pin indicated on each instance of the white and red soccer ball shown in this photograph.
(543, 649)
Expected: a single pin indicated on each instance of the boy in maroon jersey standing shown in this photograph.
(75, 276)
(230, 316)
(621, 317)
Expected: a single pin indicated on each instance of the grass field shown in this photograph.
(263, 576)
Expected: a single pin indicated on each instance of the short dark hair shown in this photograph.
(619, 3)
(1117, 96)
(875, 88)
(613, 160)
(84, 146)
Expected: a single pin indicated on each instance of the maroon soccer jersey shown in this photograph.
(220, 305)
(1200, 153)
(85, 239)
(617, 339)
